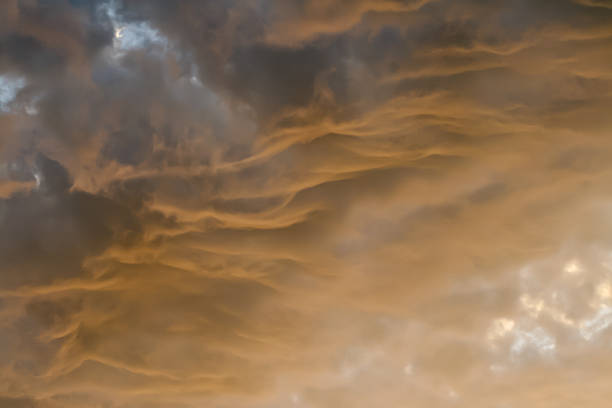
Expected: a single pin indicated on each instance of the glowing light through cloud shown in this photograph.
(9, 88)
(129, 35)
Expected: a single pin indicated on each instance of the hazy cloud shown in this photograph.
(304, 203)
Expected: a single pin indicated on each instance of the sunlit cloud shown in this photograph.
(271, 204)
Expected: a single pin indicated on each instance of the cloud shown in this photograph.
(48, 232)
(17, 403)
(9, 87)
(304, 203)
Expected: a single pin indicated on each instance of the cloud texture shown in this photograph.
(305, 203)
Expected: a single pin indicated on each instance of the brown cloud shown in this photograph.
(304, 203)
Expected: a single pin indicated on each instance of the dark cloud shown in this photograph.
(316, 203)
(47, 233)
(17, 403)
(36, 47)
(27, 54)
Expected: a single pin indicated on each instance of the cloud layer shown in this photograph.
(273, 203)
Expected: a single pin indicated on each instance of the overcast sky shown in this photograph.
(305, 203)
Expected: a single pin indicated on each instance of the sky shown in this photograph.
(305, 203)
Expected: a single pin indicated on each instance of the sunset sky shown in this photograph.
(305, 203)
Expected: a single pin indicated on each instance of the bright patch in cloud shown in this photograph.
(537, 339)
(500, 328)
(546, 298)
(133, 36)
(601, 321)
(9, 88)
(130, 36)
(572, 267)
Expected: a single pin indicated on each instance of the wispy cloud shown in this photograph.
(268, 203)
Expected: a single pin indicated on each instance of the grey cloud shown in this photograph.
(18, 403)
(303, 203)
(47, 233)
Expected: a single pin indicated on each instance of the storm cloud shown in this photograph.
(313, 203)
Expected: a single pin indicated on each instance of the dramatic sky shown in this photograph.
(305, 203)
